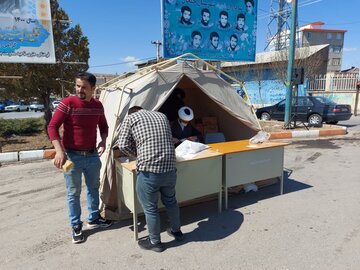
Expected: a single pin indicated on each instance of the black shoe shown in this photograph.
(177, 235)
(146, 244)
(99, 222)
(77, 235)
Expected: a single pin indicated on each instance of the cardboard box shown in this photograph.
(199, 127)
(116, 153)
(210, 129)
(209, 121)
(198, 121)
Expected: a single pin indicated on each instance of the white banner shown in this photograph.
(26, 32)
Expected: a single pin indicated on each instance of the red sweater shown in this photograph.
(81, 119)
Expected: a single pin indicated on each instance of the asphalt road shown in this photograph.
(353, 124)
(314, 225)
(17, 115)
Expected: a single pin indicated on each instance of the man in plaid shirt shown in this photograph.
(146, 135)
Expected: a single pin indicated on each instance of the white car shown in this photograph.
(37, 106)
(17, 107)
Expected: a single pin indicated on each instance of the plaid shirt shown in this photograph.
(147, 135)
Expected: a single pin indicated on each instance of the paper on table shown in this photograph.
(188, 149)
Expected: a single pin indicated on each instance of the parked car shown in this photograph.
(17, 107)
(54, 104)
(2, 106)
(312, 109)
(37, 106)
(4, 103)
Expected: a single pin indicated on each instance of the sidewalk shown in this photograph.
(326, 130)
(313, 225)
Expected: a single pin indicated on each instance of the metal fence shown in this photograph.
(334, 82)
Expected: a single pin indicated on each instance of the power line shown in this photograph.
(303, 4)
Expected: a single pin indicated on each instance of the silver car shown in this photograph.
(17, 107)
(37, 106)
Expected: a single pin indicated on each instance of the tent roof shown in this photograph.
(150, 88)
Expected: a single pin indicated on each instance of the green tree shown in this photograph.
(42, 80)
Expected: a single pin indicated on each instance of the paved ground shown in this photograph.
(314, 225)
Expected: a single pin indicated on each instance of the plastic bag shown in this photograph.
(260, 137)
(188, 149)
(250, 187)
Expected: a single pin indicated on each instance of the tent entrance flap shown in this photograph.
(205, 92)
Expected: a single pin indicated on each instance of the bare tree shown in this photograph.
(311, 58)
(250, 72)
(40, 80)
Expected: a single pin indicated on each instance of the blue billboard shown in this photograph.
(26, 32)
(211, 29)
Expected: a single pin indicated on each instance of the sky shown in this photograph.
(121, 32)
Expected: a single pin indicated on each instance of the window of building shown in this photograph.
(329, 35)
(338, 35)
(336, 61)
(336, 49)
(308, 35)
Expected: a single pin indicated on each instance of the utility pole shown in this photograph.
(157, 43)
(289, 83)
(278, 28)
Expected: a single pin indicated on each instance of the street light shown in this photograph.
(158, 44)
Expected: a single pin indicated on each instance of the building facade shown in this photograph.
(312, 34)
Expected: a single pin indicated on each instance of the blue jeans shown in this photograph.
(90, 167)
(148, 187)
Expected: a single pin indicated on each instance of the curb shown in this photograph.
(308, 133)
(50, 153)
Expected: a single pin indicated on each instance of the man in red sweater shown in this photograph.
(80, 116)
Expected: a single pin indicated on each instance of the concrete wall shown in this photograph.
(343, 97)
(268, 92)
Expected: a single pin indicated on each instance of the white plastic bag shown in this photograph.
(260, 137)
(250, 187)
(188, 149)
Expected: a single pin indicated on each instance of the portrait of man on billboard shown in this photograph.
(205, 21)
(186, 16)
(215, 44)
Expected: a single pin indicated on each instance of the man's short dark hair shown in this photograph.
(195, 33)
(86, 76)
(213, 34)
(234, 36)
(223, 12)
(205, 10)
(185, 8)
(251, 2)
(134, 109)
(240, 15)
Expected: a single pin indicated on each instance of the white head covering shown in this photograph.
(186, 114)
